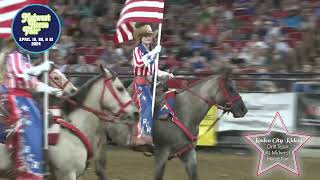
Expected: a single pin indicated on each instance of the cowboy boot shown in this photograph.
(140, 142)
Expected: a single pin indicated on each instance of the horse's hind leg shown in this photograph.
(161, 157)
(190, 162)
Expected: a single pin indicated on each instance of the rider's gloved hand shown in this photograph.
(46, 66)
(41, 87)
(156, 50)
(151, 56)
(36, 70)
(165, 75)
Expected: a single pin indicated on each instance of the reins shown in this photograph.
(230, 100)
(109, 116)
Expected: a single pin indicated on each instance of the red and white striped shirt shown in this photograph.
(140, 69)
(16, 64)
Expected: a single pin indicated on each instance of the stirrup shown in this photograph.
(163, 117)
(46, 174)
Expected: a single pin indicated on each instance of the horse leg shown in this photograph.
(101, 158)
(68, 176)
(161, 158)
(190, 161)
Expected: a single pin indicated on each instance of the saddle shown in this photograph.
(166, 102)
(164, 97)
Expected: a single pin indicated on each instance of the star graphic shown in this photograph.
(25, 108)
(277, 147)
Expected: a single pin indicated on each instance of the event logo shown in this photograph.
(36, 28)
(277, 148)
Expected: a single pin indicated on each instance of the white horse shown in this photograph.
(97, 99)
(56, 79)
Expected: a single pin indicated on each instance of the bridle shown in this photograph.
(226, 107)
(58, 85)
(108, 116)
(107, 84)
(230, 100)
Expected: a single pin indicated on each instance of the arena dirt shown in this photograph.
(127, 165)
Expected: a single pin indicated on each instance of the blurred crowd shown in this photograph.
(250, 36)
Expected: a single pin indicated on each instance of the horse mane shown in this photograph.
(81, 94)
(196, 83)
(224, 72)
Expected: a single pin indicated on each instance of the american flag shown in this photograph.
(8, 10)
(146, 11)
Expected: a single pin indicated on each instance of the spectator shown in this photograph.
(172, 62)
(246, 54)
(195, 43)
(210, 32)
(85, 8)
(226, 54)
(65, 45)
(207, 52)
(198, 62)
(293, 19)
(281, 47)
(273, 31)
(61, 63)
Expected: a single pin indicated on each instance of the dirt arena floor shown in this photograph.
(127, 165)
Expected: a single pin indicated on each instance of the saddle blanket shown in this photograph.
(169, 99)
(53, 134)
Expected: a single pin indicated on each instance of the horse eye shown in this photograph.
(56, 78)
(120, 89)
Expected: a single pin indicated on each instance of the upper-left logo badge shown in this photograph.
(36, 28)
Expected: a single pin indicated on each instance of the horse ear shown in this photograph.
(102, 69)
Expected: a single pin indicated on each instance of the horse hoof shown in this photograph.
(143, 148)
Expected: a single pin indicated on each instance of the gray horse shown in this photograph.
(191, 106)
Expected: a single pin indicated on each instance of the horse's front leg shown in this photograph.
(100, 158)
(190, 161)
(66, 176)
(161, 158)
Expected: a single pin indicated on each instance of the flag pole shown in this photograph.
(45, 116)
(45, 104)
(156, 71)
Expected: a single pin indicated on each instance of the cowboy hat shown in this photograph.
(143, 30)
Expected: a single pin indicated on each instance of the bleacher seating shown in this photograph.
(91, 59)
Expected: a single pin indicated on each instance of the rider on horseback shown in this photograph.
(144, 67)
(25, 119)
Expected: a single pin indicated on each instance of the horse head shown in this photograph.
(116, 97)
(106, 96)
(227, 96)
(58, 80)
